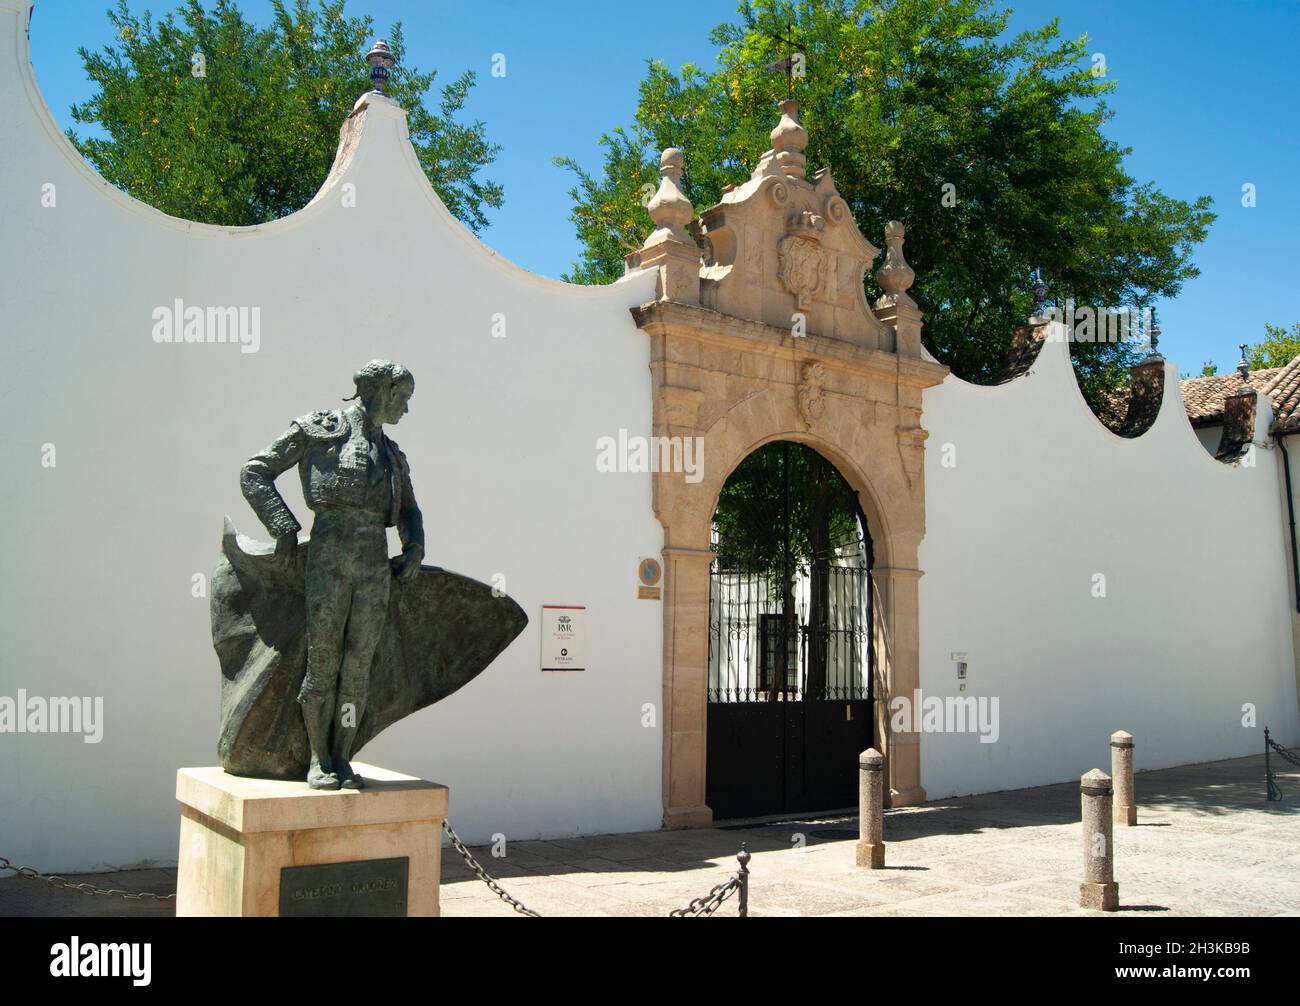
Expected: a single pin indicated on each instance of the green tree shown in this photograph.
(1279, 347)
(907, 101)
(252, 137)
(785, 505)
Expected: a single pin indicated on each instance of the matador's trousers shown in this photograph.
(348, 580)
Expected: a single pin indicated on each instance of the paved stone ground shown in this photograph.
(1206, 844)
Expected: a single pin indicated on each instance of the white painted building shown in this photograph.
(122, 454)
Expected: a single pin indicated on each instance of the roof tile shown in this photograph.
(1203, 396)
(1284, 389)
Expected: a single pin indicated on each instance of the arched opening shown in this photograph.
(791, 656)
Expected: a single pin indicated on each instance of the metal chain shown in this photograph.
(698, 908)
(710, 903)
(91, 889)
(1286, 754)
(481, 873)
(703, 908)
(1273, 794)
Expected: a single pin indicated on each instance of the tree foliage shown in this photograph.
(1280, 347)
(252, 136)
(907, 101)
(785, 503)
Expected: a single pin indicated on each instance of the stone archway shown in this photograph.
(768, 336)
(789, 696)
(856, 433)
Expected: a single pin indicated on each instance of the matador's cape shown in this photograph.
(442, 630)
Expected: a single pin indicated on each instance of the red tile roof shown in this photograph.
(1284, 389)
(1203, 396)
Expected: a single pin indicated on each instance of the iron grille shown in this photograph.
(809, 638)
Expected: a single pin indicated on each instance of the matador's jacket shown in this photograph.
(341, 464)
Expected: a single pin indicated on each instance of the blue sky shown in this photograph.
(1207, 97)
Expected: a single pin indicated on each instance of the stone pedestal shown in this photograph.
(245, 843)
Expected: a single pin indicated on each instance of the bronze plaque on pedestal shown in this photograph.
(365, 888)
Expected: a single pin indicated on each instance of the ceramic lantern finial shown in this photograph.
(381, 60)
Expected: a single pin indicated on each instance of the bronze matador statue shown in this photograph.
(357, 483)
(326, 642)
(357, 639)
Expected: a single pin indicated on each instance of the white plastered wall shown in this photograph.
(99, 551)
(1038, 500)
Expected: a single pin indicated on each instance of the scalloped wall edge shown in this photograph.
(1053, 367)
(357, 140)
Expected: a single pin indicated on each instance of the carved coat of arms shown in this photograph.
(801, 262)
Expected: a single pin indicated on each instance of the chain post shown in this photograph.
(743, 877)
(1274, 792)
(1270, 785)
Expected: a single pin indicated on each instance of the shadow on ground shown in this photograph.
(700, 858)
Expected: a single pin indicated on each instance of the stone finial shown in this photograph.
(670, 209)
(789, 140)
(895, 276)
(670, 250)
(381, 60)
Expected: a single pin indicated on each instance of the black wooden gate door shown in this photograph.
(790, 642)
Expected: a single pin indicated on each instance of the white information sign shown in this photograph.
(564, 637)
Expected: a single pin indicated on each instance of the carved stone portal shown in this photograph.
(770, 337)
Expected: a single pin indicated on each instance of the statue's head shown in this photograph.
(384, 387)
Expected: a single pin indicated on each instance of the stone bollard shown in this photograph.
(871, 809)
(1098, 890)
(1121, 770)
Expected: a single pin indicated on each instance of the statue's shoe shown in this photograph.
(349, 778)
(323, 780)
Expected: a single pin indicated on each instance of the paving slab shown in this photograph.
(1206, 844)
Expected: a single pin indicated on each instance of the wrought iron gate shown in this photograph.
(791, 659)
